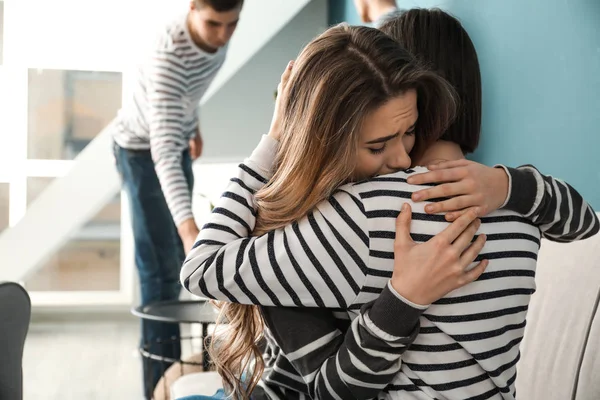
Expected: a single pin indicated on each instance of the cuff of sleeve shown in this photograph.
(183, 216)
(523, 200)
(509, 184)
(404, 299)
(393, 315)
(263, 155)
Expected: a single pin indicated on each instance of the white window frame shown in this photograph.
(14, 78)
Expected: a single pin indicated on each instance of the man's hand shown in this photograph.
(188, 231)
(196, 145)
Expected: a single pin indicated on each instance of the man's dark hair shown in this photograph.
(219, 5)
(439, 41)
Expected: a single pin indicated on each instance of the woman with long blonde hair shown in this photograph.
(292, 230)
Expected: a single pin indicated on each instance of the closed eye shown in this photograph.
(377, 150)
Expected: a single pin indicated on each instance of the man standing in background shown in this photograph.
(373, 11)
(157, 136)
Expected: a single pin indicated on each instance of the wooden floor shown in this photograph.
(88, 357)
(82, 360)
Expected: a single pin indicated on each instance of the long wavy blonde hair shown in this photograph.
(338, 78)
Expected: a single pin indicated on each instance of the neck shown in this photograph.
(440, 151)
(379, 8)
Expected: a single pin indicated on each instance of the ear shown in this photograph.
(192, 5)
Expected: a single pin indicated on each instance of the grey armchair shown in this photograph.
(15, 313)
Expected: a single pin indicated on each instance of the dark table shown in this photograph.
(186, 312)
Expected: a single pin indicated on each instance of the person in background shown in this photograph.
(375, 11)
(156, 138)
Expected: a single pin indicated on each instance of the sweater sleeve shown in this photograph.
(165, 88)
(357, 364)
(555, 206)
(318, 261)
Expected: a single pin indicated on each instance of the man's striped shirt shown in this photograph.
(162, 115)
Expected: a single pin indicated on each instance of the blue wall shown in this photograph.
(540, 65)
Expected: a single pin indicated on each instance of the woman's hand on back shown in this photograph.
(276, 122)
(426, 272)
(470, 186)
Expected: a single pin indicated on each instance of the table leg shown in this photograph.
(205, 345)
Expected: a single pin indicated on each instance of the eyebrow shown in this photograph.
(386, 138)
(212, 21)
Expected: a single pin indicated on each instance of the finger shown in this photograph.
(278, 91)
(450, 234)
(283, 82)
(455, 203)
(448, 164)
(403, 226)
(474, 274)
(466, 237)
(452, 216)
(286, 74)
(439, 176)
(471, 253)
(443, 190)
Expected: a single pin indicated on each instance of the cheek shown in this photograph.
(367, 165)
(208, 30)
(409, 142)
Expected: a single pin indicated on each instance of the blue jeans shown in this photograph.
(219, 395)
(159, 252)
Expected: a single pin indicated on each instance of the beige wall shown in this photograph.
(95, 103)
(46, 114)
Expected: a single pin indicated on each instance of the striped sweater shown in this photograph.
(162, 115)
(365, 340)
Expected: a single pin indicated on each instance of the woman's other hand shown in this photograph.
(276, 122)
(469, 186)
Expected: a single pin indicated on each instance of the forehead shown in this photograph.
(208, 14)
(398, 114)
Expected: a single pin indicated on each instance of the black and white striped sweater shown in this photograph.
(340, 257)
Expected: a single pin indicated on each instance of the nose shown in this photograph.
(399, 158)
(224, 35)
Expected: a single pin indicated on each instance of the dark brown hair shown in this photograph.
(219, 5)
(439, 40)
(337, 80)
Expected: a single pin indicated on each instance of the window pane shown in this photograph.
(4, 188)
(67, 109)
(90, 260)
